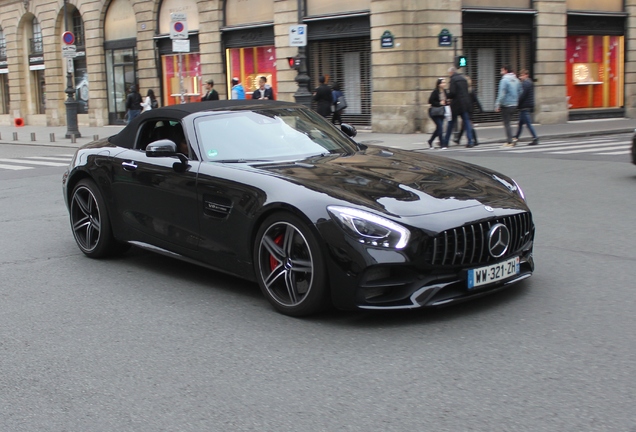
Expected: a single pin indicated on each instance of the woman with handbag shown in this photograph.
(438, 100)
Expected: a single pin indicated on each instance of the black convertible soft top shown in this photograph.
(126, 137)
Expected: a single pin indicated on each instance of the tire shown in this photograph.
(289, 266)
(90, 223)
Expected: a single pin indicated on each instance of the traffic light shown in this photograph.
(294, 62)
(461, 61)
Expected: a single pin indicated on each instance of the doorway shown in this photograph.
(120, 74)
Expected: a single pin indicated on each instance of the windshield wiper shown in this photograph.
(242, 160)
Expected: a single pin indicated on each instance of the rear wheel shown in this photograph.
(289, 266)
(90, 222)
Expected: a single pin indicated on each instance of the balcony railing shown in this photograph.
(37, 46)
(3, 52)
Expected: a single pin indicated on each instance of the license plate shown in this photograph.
(493, 273)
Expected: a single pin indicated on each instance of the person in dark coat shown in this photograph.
(323, 97)
(264, 91)
(133, 104)
(475, 107)
(337, 113)
(437, 99)
(210, 94)
(461, 106)
(526, 106)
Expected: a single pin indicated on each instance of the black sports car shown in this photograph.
(271, 192)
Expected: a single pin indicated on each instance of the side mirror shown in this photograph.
(161, 148)
(349, 130)
(167, 148)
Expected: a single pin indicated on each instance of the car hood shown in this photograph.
(401, 183)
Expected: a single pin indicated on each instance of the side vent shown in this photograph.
(216, 207)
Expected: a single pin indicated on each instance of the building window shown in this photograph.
(190, 74)
(78, 29)
(249, 64)
(595, 71)
(37, 46)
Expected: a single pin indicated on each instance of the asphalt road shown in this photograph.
(146, 343)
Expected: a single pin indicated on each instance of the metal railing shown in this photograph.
(37, 46)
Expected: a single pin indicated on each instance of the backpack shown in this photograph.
(154, 104)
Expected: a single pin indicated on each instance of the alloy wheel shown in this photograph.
(85, 219)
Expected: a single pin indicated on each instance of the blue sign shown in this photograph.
(445, 38)
(386, 41)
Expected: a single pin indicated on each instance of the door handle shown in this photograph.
(129, 166)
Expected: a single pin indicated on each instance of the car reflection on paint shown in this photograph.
(271, 192)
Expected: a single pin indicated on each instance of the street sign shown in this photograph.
(178, 26)
(69, 65)
(68, 38)
(386, 41)
(298, 35)
(444, 38)
(69, 51)
(180, 45)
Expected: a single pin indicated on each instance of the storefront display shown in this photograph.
(595, 71)
(190, 73)
(249, 64)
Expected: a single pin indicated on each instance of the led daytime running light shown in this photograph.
(346, 216)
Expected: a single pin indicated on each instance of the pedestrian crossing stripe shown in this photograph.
(25, 163)
(14, 167)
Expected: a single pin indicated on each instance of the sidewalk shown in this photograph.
(486, 133)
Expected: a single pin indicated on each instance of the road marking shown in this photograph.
(554, 148)
(621, 147)
(31, 162)
(616, 153)
(14, 167)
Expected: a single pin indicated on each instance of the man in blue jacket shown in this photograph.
(526, 106)
(507, 101)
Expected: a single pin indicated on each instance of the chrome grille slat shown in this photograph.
(467, 245)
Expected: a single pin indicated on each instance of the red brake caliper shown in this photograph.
(273, 263)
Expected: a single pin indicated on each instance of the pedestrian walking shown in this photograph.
(210, 93)
(460, 105)
(507, 101)
(474, 107)
(133, 104)
(150, 101)
(238, 92)
(264, 90)
(526, 107)
(336, 94)
(323, 97)
(436, 112)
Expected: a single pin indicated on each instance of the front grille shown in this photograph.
(468, 245)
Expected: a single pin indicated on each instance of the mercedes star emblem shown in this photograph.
(498, 240)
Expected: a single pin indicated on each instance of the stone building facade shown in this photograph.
(385, 54)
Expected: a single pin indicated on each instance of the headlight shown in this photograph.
(519, 190)
(370, 229)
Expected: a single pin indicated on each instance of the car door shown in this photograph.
(156, 202)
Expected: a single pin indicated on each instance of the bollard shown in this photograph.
(15, 136)
(73, 139)
(95, 137)
(32, 136)
(52, 136)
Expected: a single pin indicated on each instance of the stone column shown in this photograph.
(210, 21)
(630, 60)
(549, 71)
(285, 15)
(404, 76)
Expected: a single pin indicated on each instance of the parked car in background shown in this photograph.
(272, 192)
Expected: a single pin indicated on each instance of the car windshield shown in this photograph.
(275, 134)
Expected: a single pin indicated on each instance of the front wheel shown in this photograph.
(90, 222)
(289, 266)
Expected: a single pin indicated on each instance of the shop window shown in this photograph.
(248, 64)
(595, 71)
(190, 73)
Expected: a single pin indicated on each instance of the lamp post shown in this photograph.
(302, 95)
(70, 103)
